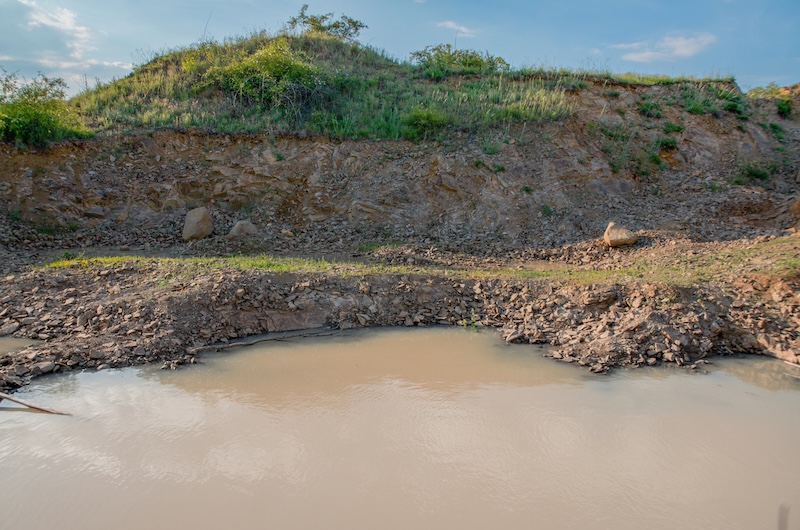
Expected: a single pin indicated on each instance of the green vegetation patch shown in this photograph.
(443, 59)
(274, 76)
(752, 172)
(314, 83)
(670, 127)
(650, 109)
(784, 107)
(35, 113)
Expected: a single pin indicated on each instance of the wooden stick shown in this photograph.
(30, 405)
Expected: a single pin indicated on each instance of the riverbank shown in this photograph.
(116, 312)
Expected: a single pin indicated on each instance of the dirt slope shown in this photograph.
(541, 185)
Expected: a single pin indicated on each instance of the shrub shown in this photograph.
(784, 107)
(442, 59)
(275, 75)
(35, 113)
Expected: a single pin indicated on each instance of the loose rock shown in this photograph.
(617, 235)
(198, 224)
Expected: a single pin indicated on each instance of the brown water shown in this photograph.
(436, 428)
(9, 344)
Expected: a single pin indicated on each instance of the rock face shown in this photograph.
(198, 224)
(243, 228)
(617, 235)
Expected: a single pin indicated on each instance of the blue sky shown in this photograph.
(757, 41)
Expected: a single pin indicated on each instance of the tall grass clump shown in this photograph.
(35, 113)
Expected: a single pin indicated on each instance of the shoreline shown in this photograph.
(96, 315)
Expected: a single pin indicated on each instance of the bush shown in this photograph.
(35, 113)
(275, 75)
(442, 59)
(784, 107)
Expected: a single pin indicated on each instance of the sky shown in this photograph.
(756, 41)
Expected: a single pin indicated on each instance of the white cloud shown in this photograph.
(669, 48)
(462, 31)
(64, 21)
(37, 37)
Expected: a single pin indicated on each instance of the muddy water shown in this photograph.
(8, 344)
(404, 429)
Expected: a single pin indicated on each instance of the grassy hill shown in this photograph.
(314, 78)
(313, 83)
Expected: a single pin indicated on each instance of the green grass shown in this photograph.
(670, 127)
(778, 257)
(650, 109)
(626, 78)
(665, 143)
(750, 173)
(316, 83)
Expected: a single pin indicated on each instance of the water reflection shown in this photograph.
(433, 429)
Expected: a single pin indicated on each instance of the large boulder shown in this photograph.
(617, 235)
(243, 228)
(198, 224)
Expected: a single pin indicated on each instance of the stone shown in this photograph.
(287, 233)
(8, 329)
(617, 235)
(243, 228)
(96, 355)
(198, 224)
(45, 366)
(513, 336)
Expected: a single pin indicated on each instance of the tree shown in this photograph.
(346, 28)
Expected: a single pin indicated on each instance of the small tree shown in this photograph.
(346, 28)
(35, 112)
